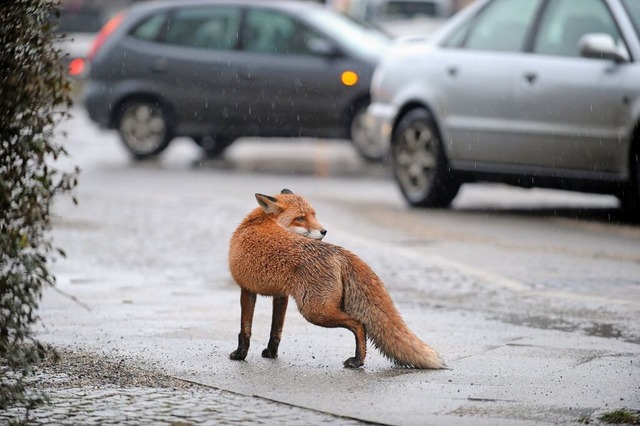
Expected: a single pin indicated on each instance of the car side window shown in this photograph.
(502, 25)
(633, 8)
(213, 28)
(150, 28)
(268, 31)
(563, 24)
(458, 37)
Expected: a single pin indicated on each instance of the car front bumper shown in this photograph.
(379, 124)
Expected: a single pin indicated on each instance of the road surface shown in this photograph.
(531, 296)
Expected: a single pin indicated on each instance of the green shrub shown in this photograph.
(34, 97)
(620, 417)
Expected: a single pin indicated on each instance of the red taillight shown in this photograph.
(76, 67)
(104, 33)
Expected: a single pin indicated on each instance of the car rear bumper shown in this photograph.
(379, 124)
(97, 104)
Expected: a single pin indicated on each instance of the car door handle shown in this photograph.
(159, 65)
(531, 77)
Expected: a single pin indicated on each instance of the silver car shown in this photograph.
(535, 93)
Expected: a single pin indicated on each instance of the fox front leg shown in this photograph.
(277, 322)
(247, 305)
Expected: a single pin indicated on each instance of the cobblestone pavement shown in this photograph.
(94, 389)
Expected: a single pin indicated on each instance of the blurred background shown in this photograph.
(81, 20)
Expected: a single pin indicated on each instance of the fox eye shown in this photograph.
(300, 219)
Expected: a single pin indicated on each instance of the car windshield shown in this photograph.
(360, 38)
(633, 7)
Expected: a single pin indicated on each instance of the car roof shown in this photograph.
(290, 5)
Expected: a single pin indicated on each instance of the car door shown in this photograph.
(284, 88)
(194, 62)
(185, 56)
(571, 108)
(481, 63)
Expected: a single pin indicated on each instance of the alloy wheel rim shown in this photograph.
(416, 160)
(143, 127)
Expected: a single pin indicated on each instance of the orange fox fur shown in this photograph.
(276, 251)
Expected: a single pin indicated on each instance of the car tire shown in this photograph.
(368, 149)
(144, 127)
(630, 198)
(213, 146)
(419, 163)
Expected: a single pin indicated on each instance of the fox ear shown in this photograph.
(269, 204)
(286, 191)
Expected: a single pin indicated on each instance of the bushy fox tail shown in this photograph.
(367, 300)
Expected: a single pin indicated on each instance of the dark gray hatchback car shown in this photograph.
(218, 70)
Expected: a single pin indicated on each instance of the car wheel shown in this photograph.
(419, 163)
(213, 146)
(367, 148)
(144, 128)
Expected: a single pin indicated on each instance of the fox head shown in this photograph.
(293, 213)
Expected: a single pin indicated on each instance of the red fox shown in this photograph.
(277, 251)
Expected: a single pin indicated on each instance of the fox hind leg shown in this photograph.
(336, 318)
(247, 305)
(361, 346)
(277, 322)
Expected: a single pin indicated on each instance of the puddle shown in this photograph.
(520, 412)
(605, 330)
(610, 331)
(540, 322)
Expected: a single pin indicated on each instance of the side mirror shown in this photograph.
(323, 47)
(601, 46)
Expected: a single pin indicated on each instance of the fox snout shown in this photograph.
(315, 234)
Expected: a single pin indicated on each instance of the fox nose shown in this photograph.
(323, 232)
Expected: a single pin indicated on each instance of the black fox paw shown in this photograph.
(238, 355)
(269, 353)
(353, 363)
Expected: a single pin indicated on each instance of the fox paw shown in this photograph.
(269, 353)
(353, 363)
(238, 355)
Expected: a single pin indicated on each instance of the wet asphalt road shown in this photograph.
(532, 297)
